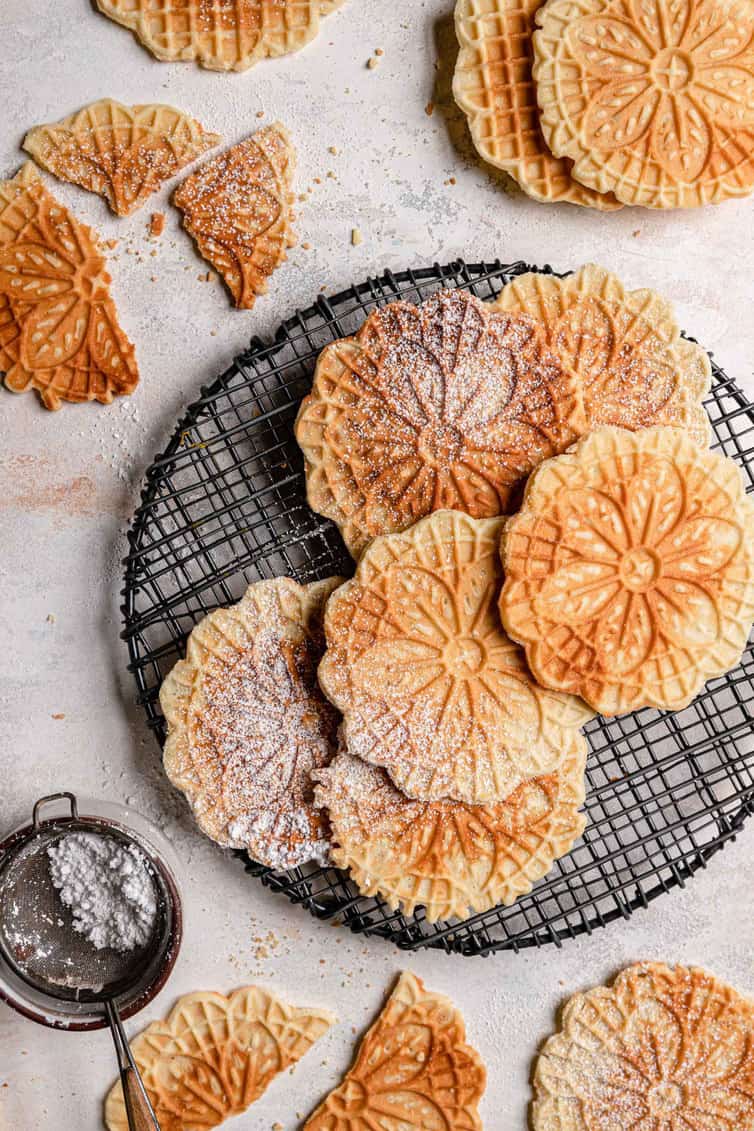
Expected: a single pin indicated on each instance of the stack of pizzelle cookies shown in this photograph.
(605, 102)
(541, 532)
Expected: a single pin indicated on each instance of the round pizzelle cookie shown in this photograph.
(447, 405)
(493, 85)
(653, 102)
(247, 723)
(451, 858)
(430, 686)
(624, 349)
(214, 1056)
(414, 1071)
(662, 1049)
(124, 153)
(629, 571)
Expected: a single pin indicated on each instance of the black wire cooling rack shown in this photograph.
(225, 505)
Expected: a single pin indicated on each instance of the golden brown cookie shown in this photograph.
(430, 686)
(451, 858)
(413, 1072)
(223, 35)
(247, 723)
(59, 329)
(623, 349)
(629, 571)
(661, 1049)
(447, 405)
(493, 85)
(214, 1056)
(238, 209)
(651, 101)
(124, 153)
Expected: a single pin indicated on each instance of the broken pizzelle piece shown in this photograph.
(214, 1056)
(413, 1071)
(124, 153)
(238, 208)
(59, 329)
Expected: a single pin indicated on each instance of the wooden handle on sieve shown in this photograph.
(140, 1118)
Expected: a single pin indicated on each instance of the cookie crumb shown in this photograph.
(157, 224)
(112, 244)
(58, 716)
(356, 237)
(429, 109)
(373, 63)
(334, 150)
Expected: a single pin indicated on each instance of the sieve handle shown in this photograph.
(139, 1111)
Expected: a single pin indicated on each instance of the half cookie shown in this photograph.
(228, 35)
(414, 1071)
(124, 153)
(447, 405)
(453, 859)
(238, 209)
(660, 1050)
(623, 349)
(214, 1056)
(653, 102)
(247, 723)
(630, 569)
(59, 330)
(494, 87)
(430, 686)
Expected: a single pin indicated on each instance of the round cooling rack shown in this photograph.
(225, 505)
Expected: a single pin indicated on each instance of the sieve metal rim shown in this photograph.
(13, 844)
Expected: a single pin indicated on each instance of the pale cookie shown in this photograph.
(124, 153)
(59, 329)
(630, 569)
(239, 210)
(216, 1055)
(660, 1049)
(247, 723)
(624, 350)
(447, 405)
(413, 1071)
(451, 858)
(652, 101)
(493, 85)
(430, 686)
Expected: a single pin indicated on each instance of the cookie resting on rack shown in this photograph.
(214, 1056)
(446, 405)
(661, 1049)
(247, 723)
(414, 1071)
(429, 685)
(629, 571)
(59, 329)
(452, 859)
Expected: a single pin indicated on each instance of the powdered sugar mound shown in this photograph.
(108, 888)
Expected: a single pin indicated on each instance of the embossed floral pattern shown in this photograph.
(413, 1072)
(652, 99)
(59, 330)
(660, 1050)
(630, 569)
(448, 405)
(430, 686)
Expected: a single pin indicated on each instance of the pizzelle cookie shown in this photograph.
(661, 1049)
(651, 101)
(629, 571)
(247, 723)
(493, 85)
(214, 1056)
(430, 686)
(624, 350)
(222, 35)
(447, 405)
(451, 858)
(414, 1071)
(59, 329)
(238, 208)
(124, 153)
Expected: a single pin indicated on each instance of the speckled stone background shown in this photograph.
(69, 481)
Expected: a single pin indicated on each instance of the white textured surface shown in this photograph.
(68, 483)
